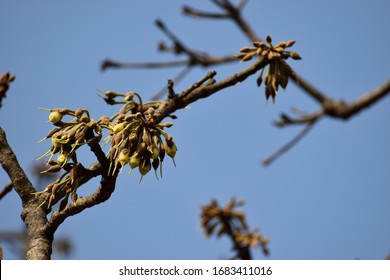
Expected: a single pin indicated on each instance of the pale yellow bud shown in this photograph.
(55, 116)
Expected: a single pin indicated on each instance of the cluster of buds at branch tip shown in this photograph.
(67, 137)
(278, 70)
(138, 141)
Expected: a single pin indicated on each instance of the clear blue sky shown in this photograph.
(328, 198)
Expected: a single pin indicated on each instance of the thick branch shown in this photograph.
(367, 100)
(11, 166)
(40, 246)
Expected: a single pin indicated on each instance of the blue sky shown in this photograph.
(328, 198)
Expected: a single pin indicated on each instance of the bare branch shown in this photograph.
(289, 145)
(113, 64)
(331, 108)
(177, 79)
(188, 11)
(367, 100)
(196, 91)
(11, 166)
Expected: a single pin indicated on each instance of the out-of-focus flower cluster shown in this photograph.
(278, 70)
(229, 221)
(134, 136)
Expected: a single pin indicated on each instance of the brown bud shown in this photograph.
(274, 55)
(258, 44)
(279, 49)
(145, 137)
(246, 49)
(110, 94)
(74, 196)
(264, 53)
(79, 112)
(65, 111)
(54, 168)
(290, 43)
(155, 163)
(167, 124)
(295, 56)
(53, 131)
(248, 56)
(63, 203)
(84, 119)
(105, 120)
(281, 45)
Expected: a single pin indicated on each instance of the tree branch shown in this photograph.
(331, 108)
(40, 246)
(103, 193)
(198, 91)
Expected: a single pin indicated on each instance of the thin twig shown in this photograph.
(188, 11)
(114, 64)
(289, 145)
(7, 188)
(177, 79)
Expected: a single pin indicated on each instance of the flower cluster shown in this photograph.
(229, 221)
(67, 137)
(135, 136)
(137, 140)
(278, 70)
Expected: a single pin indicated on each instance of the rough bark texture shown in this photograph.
(40, 245)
